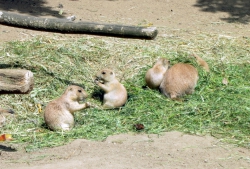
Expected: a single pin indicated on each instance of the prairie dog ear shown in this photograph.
(166, 62)
(111, 73)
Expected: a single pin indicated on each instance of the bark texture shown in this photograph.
(16, 81)
(67, 26)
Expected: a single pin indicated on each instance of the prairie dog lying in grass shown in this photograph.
(58, 113)
(3, 114)
(115, 94)
(180, 79)
(154, 75)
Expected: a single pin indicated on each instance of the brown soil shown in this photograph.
(169, 150)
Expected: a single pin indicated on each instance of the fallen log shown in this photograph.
(16, 81)
(67, 26)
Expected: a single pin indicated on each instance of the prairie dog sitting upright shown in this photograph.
(3, 114)
(115, 94)
(58, 113)
(154, 75)
(180, 79)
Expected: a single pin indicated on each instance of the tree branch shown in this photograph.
(66, 26)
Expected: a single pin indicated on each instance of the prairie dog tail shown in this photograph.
(201, 62)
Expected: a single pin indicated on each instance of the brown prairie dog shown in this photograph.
(154, 75)
(201, 62)
(3, 114)
(115, 94)
(58, 113)
(180, 79)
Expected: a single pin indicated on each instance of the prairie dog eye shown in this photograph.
(103, 73)
(79, 91)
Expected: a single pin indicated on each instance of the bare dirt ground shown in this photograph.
(169, 150)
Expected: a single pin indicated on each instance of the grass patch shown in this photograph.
(215, 108)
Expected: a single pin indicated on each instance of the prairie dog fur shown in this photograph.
(154, 75)
(3, 114)
(201, 62)
(180, 79)
(115, 94)
(58, 113)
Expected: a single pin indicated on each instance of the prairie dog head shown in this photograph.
(3, 114)
(163, 62)
(105, 75)
(76, 93)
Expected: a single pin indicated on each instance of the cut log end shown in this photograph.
(16, 81)
(151, 32)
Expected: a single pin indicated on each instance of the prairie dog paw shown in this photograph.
(96, 81)
(87, 104)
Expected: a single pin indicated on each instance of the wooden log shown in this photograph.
(16, 81)
(67, 26)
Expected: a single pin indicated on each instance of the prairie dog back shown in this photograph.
(154, 75)
(180, 79)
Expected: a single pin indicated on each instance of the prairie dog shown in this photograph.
(201, 62)
(180, 79)
(154, 75)
(3, 114)
(115, 94)
(58, 113)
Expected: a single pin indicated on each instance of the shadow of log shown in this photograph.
(7, 149)
(17, 65)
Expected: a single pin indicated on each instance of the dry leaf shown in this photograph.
(39, 108)
(5, 137)
(225, 81)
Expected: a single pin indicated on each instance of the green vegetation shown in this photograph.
(216, 108)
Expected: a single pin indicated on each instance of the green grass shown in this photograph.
(220, 110)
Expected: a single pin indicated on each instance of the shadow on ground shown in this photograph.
(239, 10)
(30, 7)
